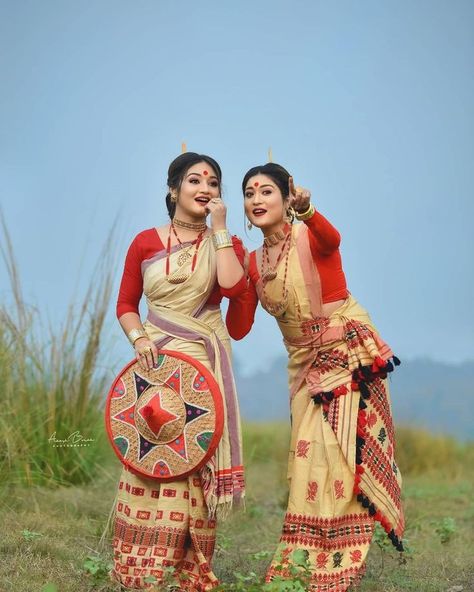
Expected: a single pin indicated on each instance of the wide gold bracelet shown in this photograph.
(307, 214)
(135, 334)
(221, 239)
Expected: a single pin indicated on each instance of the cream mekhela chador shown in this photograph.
(341, 471)
(173, 524)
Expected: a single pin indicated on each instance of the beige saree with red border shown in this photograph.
(342, 473)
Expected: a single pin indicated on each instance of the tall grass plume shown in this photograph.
(51, 383)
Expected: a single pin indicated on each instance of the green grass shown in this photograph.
(49, 535)
(55, 500)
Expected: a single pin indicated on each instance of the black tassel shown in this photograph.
(389, 366)
(396, 361)
(362, 404)
(364, 390)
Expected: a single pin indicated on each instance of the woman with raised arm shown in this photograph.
(342, 473)
(184, 268)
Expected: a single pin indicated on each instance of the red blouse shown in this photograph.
(147, 244)
(324, 242)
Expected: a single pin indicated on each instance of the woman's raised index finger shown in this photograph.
(291, 186)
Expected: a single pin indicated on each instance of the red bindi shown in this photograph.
(205, 173)
(256, 184)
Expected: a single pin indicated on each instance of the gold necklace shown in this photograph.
(197, 226)
(179, 276)
(269, 272)
(275, 307)
(273, 239)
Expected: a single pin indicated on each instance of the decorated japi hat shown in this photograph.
(165, 423)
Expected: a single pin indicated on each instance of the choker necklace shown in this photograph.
(197, 226)
(273, 239)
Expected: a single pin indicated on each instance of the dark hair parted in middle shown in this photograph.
(275, 171)
(178, 169)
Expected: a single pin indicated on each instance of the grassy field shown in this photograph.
(53, 536)
(55, 500)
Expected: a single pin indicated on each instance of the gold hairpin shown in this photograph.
(270, 155)
(183, 147)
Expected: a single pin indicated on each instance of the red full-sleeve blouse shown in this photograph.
(147, 244)
(324, 243)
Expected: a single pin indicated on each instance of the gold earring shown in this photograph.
(290, 215)
(174, 197)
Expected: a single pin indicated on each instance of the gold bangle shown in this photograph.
(221, 239)
(135, 334)
(307, 214)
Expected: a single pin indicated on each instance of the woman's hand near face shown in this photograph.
(218, 211)
(299, 196)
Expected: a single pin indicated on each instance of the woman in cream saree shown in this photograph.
(342, 474)
(173, 524)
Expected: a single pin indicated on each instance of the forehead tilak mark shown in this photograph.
(205, 173)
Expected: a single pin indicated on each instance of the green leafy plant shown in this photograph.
(30, 535)
(97, 568)
(445, 529)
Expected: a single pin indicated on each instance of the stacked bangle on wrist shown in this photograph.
(221, 239)
(307, 214)
(135, 334)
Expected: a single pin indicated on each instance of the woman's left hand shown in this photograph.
(299, 196)
(217, 208)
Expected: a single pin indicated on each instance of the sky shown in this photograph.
(369, 104)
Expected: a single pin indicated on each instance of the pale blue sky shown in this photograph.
(367, 103)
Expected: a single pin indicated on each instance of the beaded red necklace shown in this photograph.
(274, 307)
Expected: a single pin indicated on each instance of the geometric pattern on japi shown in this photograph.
(336, 582)
(162, 536)
(356, 333)
(379, 400)
(380, 465)
(328, 360)
(328, 534)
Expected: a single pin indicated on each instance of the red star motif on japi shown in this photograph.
(312, 491)
(321, 560)
(302, 448)
(356, 556)
(339, 489)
